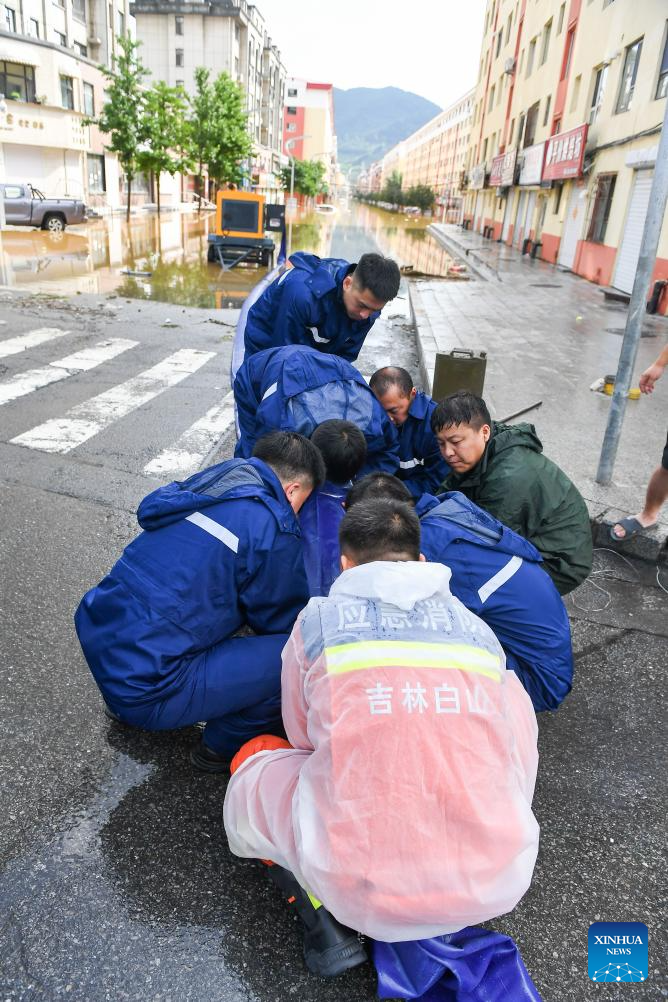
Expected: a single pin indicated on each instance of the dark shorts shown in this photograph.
(664, 458)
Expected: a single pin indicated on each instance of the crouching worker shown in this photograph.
(297, 388)
(404, 803)
(219, 552)
(343, 449)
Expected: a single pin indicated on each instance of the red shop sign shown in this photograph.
(565, 154)
(496, 171)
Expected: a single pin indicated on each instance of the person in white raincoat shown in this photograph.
(404, 803)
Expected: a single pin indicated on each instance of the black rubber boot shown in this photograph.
(329, 947)
(207, 760)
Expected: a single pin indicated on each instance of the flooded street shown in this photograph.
(171, 253)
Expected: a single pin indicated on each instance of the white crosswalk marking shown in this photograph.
(30, 340)
(61, 435)
(81, 361)
(186, 455)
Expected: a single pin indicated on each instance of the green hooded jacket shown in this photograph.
(529, 493)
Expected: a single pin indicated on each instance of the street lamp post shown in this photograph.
(289, 143)
(3, 120)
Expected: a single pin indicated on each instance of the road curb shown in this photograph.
(465, 254)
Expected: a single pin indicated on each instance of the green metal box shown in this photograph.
(459, 369)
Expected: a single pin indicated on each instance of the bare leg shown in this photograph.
(657, 494)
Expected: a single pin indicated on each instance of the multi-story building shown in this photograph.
(228, 36)
(49, 56)
(568, 109)
(309, 114)
(435, 155)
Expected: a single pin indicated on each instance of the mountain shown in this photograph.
(370, 120)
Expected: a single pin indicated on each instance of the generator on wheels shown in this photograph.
(242, 222)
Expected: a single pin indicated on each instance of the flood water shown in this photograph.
(172, 252)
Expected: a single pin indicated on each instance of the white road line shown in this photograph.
(91, 416)
(188, 452)
(30, 340)
(80, 361)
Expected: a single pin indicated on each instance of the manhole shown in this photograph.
(544, 285)
(620, 330)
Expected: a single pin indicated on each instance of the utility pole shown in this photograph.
(634, 318)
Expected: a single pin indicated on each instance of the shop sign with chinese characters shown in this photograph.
(502, 174)
(532, 164)
(477, 177)
(565, 154)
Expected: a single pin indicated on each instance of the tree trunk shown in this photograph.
(199, 188)
(127, 211)
(157, 189)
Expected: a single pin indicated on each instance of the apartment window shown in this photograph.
(519, 69)
(97, 181)
(605, 189)
(508, 27)
(60, 38)
(510, 134)
(81, 50)
(662, 83)
(178, 25)
(236, 67)
(531, 123)
(575, 97)
(292, 92)
(556, 127)
(67, 92)
(547, 31)
(291, 110)
(121, 23)
(520, 128)
(566, 65)
(484, 150)
(499, 40)
(33, 28)
(597, 95)
(79, 9)
(179, 57)
(531, 56)
(547, 110)
(178, 83)
(629, 74)
(89, 99)
(491, 98)
(10, 19)
(562, 14)
(17, 82)
(291, 127)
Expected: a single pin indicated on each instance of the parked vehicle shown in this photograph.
(325, 207)
(27, 206)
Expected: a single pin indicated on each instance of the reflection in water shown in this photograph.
(93, 257)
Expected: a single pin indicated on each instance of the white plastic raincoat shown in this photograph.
(405, 805)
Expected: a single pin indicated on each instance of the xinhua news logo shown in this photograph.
(618, 951)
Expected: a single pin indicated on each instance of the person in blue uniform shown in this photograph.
(421, 466)
(498, 575)
(343, 449)
(297, 388)
(326, 303)
(220, 555)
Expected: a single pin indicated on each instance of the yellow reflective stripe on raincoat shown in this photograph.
(410, 654)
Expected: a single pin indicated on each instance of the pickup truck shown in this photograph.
(27, 206)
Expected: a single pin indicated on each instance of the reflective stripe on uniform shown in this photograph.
(214, 529)
(410, 464)
(270, 389)
(316, 336)
(500, 578)
(409, 654)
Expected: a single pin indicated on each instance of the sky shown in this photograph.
(430, 47)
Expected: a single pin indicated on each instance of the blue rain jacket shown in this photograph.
(305, 306)
(422, 468)
(320, 518)
(220, 550)
(498, 575)
(296, 388)
(472, 965)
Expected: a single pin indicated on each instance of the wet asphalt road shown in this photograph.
(116, 881)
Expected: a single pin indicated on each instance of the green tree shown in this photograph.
(309, 177)
(200, 126)
(392, 189)
(421, 195)
(165, 133)
(122, 115)
(230, 142)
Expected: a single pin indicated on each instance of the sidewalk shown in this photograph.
(548, 335)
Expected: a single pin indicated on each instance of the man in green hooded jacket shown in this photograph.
(502, 468)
